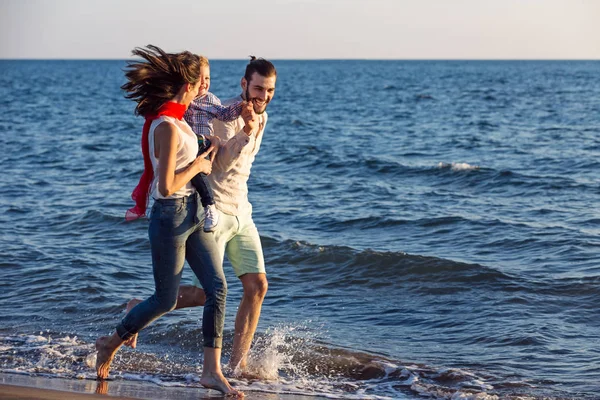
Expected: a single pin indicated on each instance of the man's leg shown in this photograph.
(193, 295)
(255, 288)
(189, 296)
(244, 251)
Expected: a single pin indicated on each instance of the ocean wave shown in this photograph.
(348, 265)
(460, 174)
(287, 360)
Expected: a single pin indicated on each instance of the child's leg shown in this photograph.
(211, 216)
(199, 181)
(204, 190)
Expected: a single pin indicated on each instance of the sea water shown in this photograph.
(430, 228)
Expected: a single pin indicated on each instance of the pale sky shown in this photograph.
(303, 29)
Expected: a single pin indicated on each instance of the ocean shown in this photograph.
(431, 229)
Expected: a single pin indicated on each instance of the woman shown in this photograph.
(164, 85)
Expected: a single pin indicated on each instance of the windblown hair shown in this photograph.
(261, 66)
(158, 77)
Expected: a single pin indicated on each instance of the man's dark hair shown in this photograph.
(261, 66)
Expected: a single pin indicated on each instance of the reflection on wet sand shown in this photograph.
(102, 387)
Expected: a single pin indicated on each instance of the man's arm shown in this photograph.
(229, 150)
(231, 146)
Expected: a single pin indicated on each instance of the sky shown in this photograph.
(303, 29)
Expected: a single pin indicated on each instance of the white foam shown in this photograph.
(90, 360)
(458, 166)
(36, 339)
(289, 359)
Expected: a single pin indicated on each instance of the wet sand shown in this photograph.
(23, 387)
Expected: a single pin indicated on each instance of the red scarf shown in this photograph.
(140, 193)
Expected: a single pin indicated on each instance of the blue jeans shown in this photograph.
(200, 181)
(175, 236)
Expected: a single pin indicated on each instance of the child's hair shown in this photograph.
(153, 82)
(204, 61)
(261, 66)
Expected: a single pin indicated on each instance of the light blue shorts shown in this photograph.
(237, 237)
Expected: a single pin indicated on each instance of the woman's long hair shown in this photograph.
(153, 82)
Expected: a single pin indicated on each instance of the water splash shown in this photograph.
(279, 349)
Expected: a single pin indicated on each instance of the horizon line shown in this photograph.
(314, 59)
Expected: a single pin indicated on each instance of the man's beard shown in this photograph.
(253, 105)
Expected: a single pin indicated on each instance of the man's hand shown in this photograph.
(250, 118)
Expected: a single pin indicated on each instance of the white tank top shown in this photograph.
(187, 150)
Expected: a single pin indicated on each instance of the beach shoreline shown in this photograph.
(42, 387)
(26, 387)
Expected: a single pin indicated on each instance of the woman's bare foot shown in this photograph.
(132, 341)
(218, 382)
(106, 352)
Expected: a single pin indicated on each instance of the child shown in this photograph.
(199, 115)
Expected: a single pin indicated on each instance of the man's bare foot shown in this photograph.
(132, 341)
(218, 382)
(250, 374)
(104, 357)
(237, 364)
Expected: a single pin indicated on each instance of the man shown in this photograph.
(236, 235)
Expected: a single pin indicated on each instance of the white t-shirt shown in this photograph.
(187, 150)
(231, 169)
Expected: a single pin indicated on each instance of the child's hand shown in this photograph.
(215, 142)
(213, 149)
(209, 152)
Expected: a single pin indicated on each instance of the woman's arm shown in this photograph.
(169, 181)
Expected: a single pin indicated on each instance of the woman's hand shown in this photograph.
(201, 164)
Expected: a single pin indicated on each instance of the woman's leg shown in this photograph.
(170, 225)
(204, 258)
(171, 222)
(107, 347)
(207, 263)
(212, 377)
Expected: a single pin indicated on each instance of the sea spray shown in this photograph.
(290, 359)
(278, 349)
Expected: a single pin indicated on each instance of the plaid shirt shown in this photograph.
(202, 111)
